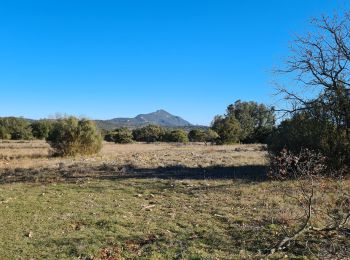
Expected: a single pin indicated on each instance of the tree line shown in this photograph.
(154, 133)
(316, 127)
(245, 122)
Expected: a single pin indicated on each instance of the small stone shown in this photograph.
(29, 234)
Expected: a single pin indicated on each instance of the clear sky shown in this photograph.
(106, 59)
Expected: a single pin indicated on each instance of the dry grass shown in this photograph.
(157, 201)
(14, 150)
(35, 154)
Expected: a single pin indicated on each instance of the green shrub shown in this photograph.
(121, 136)
(17, 128)
(228, 129)
(260, 135)
(4, 133)
(247, 122)
(149, 133)
(41, 128)
(71, 136)
(296, 133)
(176, 136)
(109, 137)
(320, 135)
(256, 120)
(196, 135)
(211, 136)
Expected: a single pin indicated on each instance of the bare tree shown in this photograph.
(320, 62)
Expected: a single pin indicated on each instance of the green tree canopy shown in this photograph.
(120, 135)
(4, 133)
(253, 118)
(196, 135)
(15, 127)
(318, 128)
(149, 133)
(178, 136)
(228, 129)
(41, 128)
(247, 122)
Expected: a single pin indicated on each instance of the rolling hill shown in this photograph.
(159, 117)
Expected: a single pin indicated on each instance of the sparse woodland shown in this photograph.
(260, 182)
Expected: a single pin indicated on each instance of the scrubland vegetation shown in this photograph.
(155, 201)
(244, 188)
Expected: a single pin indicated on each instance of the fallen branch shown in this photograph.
(148, 207)
(304, 228)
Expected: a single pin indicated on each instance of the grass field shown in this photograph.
(152, 201)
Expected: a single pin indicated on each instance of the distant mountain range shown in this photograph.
(159, 117)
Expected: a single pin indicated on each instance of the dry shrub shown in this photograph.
(71, 136)
(289, 165)
(313, 182)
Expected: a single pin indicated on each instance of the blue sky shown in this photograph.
(106, 59)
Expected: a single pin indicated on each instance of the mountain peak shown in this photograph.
(157, 112)
(159, 117)
(161, 111)
(162, 118)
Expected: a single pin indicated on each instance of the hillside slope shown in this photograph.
(159, 117)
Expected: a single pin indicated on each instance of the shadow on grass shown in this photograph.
(76, 173)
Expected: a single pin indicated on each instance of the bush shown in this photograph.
(176, 136)
(323, 125)
(120, 136)
(149, 133)
(260, 135)
(197, 135)
(4, 133)
(228, 129)
(318, 134)
(109, 137)
(16, 128)
(304, 164)
(253, 119)
(247, 122)
(211, 136)
(321, 90)
(70, 136)
(41, 129)
(294, 134)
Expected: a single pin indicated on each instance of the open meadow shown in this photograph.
(152, 201)
(175, 130)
